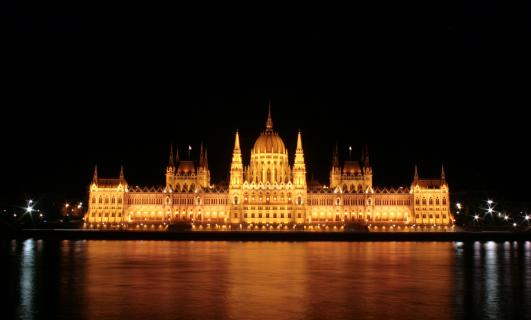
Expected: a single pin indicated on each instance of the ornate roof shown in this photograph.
(269, 141)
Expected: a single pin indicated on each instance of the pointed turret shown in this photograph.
(299, 167)
(237, 143)
(201, 155)
(269, 123)
(121, 173)
(95, 176)
(203, 174)
(365, 159)
(335, 159)
(443, 175)
(299, 142)
(177, 154)
(416, 175)
(170, 162)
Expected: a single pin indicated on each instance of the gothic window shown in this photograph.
(423, 201)
(431, 201)
(444, 201)
(106, 200)
(235, 200)
(437, 201)
(113, 200)
(93, 199)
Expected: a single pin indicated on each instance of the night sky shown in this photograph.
(420, 82)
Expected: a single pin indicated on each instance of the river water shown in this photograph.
(47, 279)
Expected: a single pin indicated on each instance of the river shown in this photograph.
(48, 279)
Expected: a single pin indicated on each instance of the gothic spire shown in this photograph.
(121, 173)
(269, 123)
(416, 175)
(170, 162)
(366, 156)
(201, 155)
(95, 176)
(206, 158)
(237, 142)
(177, 154)
(335, 161)
(299, 142)
(443, 175)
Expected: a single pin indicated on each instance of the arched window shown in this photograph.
(93, 199)
(236, 200)
(113, 200)
(119, 200)
(423, 201)
(360, 188)
(431, 201)
(437, 201)
(417, 202)
(106, 200)
(444, 201)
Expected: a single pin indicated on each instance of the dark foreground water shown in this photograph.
(264, 280)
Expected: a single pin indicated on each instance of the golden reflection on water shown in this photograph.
(269, 280)
(259, 280)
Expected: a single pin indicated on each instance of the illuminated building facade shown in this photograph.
(269, 193)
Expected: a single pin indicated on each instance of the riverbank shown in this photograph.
(79, 234)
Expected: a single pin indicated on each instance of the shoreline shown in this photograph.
(290, 236)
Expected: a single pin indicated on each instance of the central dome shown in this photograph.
(269, 141)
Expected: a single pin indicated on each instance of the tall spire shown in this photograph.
(177, 154)
(366, 156)
(95, 176)
(237, 142)
(416, 175)
(170, 162)
(206, 158)
(121, 172)
(299, 167)
(443, 175)
(335, 161)
(269, 123)
(201, 155)
(299, 142)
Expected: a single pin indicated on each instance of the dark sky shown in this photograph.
(426, 82)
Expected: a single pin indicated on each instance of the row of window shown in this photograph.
(430, 201)
(425, 216)
(392, 202)
(106, 215)
(106, 200)
(215, 201)
(268, 215)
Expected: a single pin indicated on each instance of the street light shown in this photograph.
(29, 208)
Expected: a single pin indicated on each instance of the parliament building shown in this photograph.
(269, 193)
